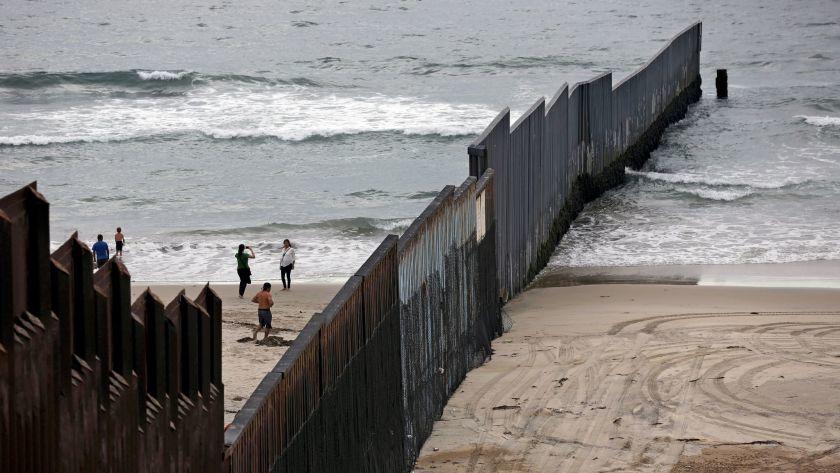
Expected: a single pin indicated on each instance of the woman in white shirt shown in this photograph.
(287, 264)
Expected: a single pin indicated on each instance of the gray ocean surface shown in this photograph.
(199, 126)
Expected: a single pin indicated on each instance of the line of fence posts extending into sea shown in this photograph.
(88, 381)
(366, 378)
(559, 156)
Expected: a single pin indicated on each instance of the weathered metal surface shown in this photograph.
(29, 393)
(526, 151)
(496, 139)
(91, 383)
(586, 131)
(448, 297)
(334, 400)
(344, 397)
(555, 156)
(83, 383)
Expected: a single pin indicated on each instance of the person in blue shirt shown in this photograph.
(100, 251)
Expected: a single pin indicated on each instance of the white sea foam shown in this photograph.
(162, 75)
(327, 249)
(686, 241)
(39, 140)
(684, 178)
(283, 112)
(820, 121)
(391, 225)
(201, 259)
(726, 195)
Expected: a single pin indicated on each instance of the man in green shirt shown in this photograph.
(242, 268)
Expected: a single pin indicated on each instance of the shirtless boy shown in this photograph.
(119, 238)
(265, 301)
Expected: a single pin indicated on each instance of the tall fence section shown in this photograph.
(560, 155)
(89, 381)
(449, 308)
(365, 380)
(333, 403)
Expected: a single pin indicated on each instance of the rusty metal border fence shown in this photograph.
(88, 381)
(333, 403)
(557, 157)
(364, 381)
(91, 382)
(448, 299)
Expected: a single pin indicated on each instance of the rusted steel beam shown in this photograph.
(212, 305)
(173, 351)
(83, 373)
(6, 338)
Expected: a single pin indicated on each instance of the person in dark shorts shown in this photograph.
(101, 253)
(242, 268)
(119, 239)
(287, 264)
(265, 302)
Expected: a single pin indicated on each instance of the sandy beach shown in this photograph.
(245, 363)
(618, 377)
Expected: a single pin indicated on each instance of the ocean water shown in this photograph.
(199, 126)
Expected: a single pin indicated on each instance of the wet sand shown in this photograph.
(245, 363)
(824, 274)
(646, 377)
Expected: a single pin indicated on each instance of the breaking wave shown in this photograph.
(820, 121)
(137, 78)
(161, 75)
(709, 188)
(244, 112)
(681, 178)
(349, 227)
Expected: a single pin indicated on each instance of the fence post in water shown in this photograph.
(478, 159)
(722, 84)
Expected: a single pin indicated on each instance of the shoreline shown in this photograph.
(185, 283)
(804, 274)
(244, 363)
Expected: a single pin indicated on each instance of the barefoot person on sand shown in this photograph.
(242, 268)
(265, 301)
(287, 264)
(119, 239)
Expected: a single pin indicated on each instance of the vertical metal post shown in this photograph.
(478, 159)
(722, 84)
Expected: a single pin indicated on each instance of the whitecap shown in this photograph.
(725, 195)
(248, 111)
(162, 75)
(820, 121)
(394, 224)
(684, 178)
(43, 140)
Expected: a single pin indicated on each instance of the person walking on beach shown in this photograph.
(119, 239)
(242, 267)
(287, 264)
(101, 253)
(265, 302)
